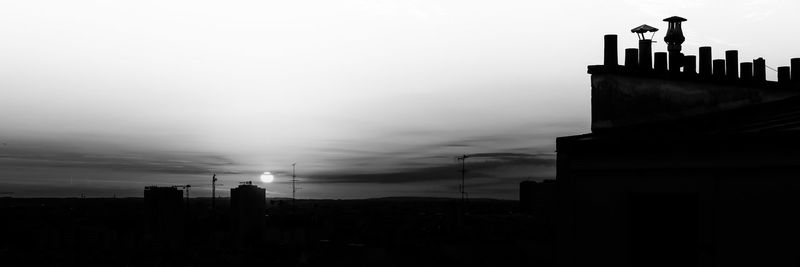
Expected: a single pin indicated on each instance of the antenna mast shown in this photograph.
(293, 182)
(213, 193)
(463, 159)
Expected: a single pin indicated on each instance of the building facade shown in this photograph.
(683, 167)
(164, 216)
(248, 208)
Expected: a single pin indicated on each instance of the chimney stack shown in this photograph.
(759, 70)
(719, 68)
(732, 64)
(646, 54)
(705, 60)
(645, 45)
(689, 64)
(747, 71)
(631, 57)
(674, 39)
(660, 61)
(784, 75)
(610, 56)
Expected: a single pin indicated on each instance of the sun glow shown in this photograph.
(267, 177)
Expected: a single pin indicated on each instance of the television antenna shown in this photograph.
(463, 158)
(213, 193)
(294, 179)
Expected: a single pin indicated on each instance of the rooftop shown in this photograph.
(673, 88)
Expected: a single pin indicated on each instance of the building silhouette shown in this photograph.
(248, 206)
(164, 216)
(537, 197)
(684, 166)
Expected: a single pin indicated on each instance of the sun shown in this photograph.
(267, 177)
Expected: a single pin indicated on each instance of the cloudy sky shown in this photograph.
(370, 98)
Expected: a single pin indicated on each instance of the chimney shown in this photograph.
(705, 60)
(674, 39)
(759, 70)
(610, 56)
(719, 68)
(646, 54)
(645, 45)
(784, 75)
(732, 64)
(631, 58)
(660, 61)
(689, 64)
(747, 71)
(795, 63)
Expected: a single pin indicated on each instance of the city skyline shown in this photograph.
(370, 99)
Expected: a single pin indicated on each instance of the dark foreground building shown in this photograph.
(684, 166)
(248, 208)
(164, 216)
(537, 197)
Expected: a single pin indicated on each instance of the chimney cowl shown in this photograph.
(674, 36)
(675, 19)
(642, 29)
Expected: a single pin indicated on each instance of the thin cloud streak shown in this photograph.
(170, 163)
(483, 165)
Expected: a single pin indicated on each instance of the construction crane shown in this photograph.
(213, 185)
(186, 187)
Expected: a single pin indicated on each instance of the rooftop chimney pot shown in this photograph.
(732, 64)
(610, 56)
(689, 64)
(759, 70)
(631, 58)
(784, 75)
(747, 71)
(660, 61)
(674, 39)
(705, 60)
(719, 68)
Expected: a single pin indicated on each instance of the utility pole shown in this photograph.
(463, 159)
(213, 193)
(293, 182)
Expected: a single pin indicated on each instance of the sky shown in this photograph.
(369, 98)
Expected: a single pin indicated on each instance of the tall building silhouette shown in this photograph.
(683, 167)
(537, 197)
(164, 216)
(248, 206)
